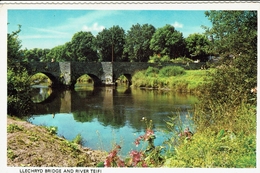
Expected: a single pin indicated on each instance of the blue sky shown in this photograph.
(50, 28)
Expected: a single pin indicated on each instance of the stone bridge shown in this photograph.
(103, 73)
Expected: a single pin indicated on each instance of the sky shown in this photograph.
(50, 28)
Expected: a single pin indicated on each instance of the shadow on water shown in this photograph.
(106, 115)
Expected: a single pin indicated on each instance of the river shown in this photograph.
(105, 116)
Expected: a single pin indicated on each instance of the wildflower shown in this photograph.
(137, 141)
(149, 134)
(120, 163)
(113, 158)
(136, 157)
(187, 133)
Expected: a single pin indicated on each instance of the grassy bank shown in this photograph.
(185, 81)
(30, 145)
(225, 142)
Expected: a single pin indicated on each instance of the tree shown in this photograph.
(198, 46)
(36, 54)
(82, 47)
(13, 47)
(18, 80)
(110, 44)
(58, 53)
(229, 86)
(137, 46)
(233, 32)
(168, 41)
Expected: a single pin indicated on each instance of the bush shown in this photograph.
(18, 97)
(152, 71)
(171, 71)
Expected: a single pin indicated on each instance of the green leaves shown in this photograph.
(137, 46)
(198, 46)
(234, 32)
(82, 47)
(168, 41)
(52, 130)
(18, 83)
(110, 44)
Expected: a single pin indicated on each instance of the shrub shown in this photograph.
(151, 71)
(171, 71)
(18, 84)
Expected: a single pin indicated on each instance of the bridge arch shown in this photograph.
(53, 79)
(126, 75)
(96, 80)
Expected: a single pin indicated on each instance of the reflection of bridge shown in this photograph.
(109, 105)
(67, 101)
(102, 73)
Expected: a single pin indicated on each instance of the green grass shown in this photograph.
(182, 81)
(13, 128)
(225, 138)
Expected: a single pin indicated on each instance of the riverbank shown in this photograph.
(190, 81)
(30, 145)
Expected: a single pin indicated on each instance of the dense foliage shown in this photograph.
(137, 46)
(168, 41)
(18, 83)
(110, 44)
(141, 43)
(198, 46)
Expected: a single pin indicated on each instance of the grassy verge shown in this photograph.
(188, 82)
(30, 145)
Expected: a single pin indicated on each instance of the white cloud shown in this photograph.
(69, 27)
(177, 25)
(77, 23)
(94, 28)
(51, 31)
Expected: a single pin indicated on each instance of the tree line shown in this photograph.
(141, 43)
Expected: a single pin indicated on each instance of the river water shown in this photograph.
(107, 115)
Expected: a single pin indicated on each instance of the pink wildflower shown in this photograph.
(136, 157)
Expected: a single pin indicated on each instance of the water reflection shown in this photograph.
(40, 93)
(107, 114)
